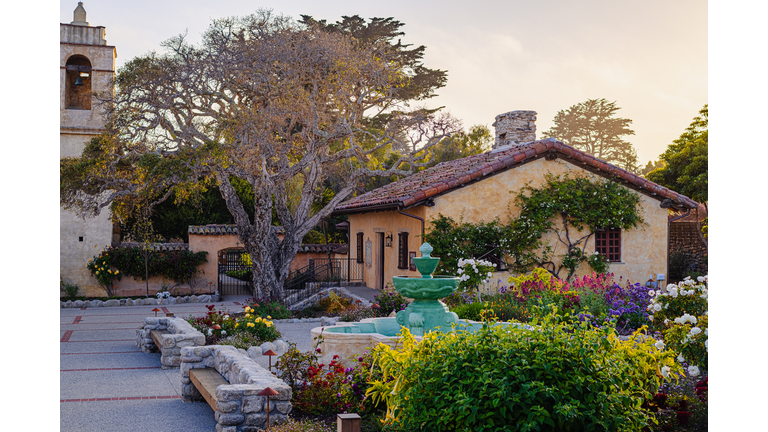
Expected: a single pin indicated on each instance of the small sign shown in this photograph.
(660, 277)
(411, 264)
(368, 253)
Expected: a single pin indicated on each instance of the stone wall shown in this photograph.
(139, 302)
(684, 235)
(182, 334)
(238, 406)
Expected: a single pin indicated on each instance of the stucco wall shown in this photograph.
(74, 254)
(384, 222)
(643, 250)
(211, 244)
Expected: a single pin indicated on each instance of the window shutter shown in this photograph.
(402, 252)
(360, 247)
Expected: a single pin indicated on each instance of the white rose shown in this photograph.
(700, 279)
(680, 358)
(660, 345)
(657, 307)
(665, 371)
(651, 293)
(693, 371)
(695, 331)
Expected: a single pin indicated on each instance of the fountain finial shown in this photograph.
(425, 250)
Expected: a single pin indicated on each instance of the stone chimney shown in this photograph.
(79, 15)
(514, 128)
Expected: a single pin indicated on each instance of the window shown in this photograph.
(402, 251)
(608, 243)
(359, 247)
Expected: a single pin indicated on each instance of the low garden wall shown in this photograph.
(238, 406)
(182, 334)
(140, 302)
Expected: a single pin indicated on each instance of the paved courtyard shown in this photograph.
(109, 384)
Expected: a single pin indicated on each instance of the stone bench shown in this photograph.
(168, 335)
(235, 400)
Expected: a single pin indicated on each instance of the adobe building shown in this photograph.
(385, 224)
(87, 65)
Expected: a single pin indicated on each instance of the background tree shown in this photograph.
(650, 166)
(686, 164)
(422, 81)
(265, 100)
(460, 145)
(591, 126)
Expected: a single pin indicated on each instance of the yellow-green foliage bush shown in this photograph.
(563, 375)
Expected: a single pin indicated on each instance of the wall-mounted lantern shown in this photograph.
(388, 239)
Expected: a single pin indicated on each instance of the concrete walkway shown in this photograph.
(109, 384)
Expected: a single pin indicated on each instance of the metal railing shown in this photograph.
(318, 275)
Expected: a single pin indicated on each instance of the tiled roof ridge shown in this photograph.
(220, 229)
(496, 161)
(162, 247)
(334, 247)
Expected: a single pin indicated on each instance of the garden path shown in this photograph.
(107, 383)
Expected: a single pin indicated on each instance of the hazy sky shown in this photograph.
(650, 56)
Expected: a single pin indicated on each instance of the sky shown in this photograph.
(649, 57)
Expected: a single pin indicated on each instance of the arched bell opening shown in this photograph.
(78, 90)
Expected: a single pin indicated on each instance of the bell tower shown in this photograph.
(87, 65)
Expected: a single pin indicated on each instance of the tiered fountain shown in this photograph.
(426, 313)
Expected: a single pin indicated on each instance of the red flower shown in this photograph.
(683, 417)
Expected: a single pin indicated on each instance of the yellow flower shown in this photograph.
(117, 271)
(269, 317)
(258, 319)
(269, 324)
(237, 324)
(250, 324)
(247, 315)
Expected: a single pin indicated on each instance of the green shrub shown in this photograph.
(69, 290)
(470, 311)
(562, 376)
(293, 367)
(388, 302)
(357, 313)
(273, 309)
(243, 275)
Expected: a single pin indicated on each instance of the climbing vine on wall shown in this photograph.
(581, 204)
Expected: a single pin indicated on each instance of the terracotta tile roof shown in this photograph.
(214, 229)
(691, 217)
(321, 248)
(161, 247)
(452, 174)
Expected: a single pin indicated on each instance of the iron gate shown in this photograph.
(235, 273)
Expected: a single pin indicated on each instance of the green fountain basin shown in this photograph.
(433, 288)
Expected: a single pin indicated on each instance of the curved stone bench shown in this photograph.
(237, 404)
(180, 334)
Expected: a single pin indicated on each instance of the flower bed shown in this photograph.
(241, 330)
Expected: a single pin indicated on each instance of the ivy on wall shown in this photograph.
(583, 205)
(113, 263)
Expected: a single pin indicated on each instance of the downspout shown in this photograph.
(415, 217)
(669, 222)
